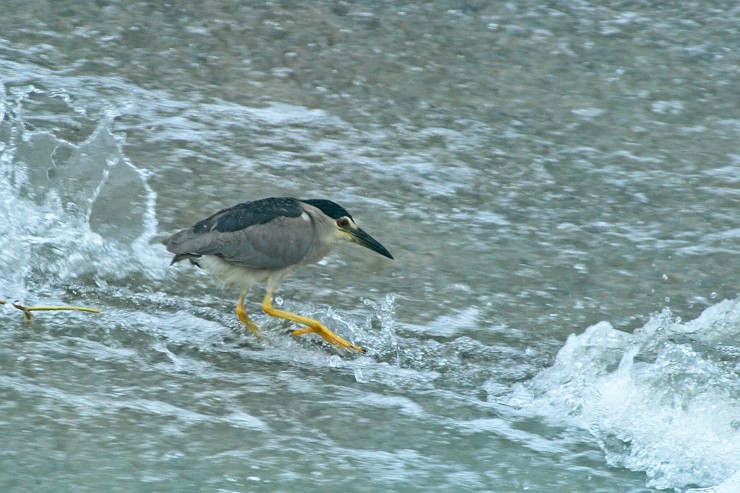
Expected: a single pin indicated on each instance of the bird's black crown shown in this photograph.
(331, 209)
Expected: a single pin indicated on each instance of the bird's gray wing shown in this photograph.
(264, 234)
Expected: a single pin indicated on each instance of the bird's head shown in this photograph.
(346, 228)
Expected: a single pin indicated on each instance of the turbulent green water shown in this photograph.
(559, 183)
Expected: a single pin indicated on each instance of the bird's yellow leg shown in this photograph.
(241, 312)
(313, 325)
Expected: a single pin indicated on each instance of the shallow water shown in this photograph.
(559, 183)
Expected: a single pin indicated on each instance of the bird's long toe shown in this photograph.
(329, 337)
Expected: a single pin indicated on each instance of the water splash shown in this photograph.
(663, 400)
(70, 209)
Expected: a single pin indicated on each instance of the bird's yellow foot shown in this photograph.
(311, 324)
(328, 336)
(242, 314)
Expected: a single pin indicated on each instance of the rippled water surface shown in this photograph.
(559, 183)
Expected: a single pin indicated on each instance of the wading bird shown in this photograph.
(265, 240)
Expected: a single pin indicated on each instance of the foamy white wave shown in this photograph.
(730, 485)
(663, 400)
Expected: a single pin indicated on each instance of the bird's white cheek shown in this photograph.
(338, 235)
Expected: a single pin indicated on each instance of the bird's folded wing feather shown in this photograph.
(276, 244)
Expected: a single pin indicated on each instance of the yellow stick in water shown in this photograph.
(28, 309)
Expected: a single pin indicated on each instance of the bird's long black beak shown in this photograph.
(362, 238)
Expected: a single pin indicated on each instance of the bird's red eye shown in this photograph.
(342, 222)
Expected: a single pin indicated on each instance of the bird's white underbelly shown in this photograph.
(232, 274)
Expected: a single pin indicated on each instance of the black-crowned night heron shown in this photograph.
(267, 239)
